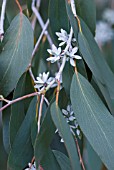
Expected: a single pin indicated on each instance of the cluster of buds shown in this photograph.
(72, 122)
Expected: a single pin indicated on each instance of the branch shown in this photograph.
(73, 7)
(41, 22)
(2, 19)
(74, 12)
(40, 112)
(40, 37)
(19, 99)
(79, 153)
(34, 18)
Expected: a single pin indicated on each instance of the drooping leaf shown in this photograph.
(47, 130)
(87, 11)
(93, 161)
(34, 129)
(67, 77)
(6, 134)
(63, 160)
(44, 137)
(16, 54)
(73, 20)
(49, 161)
(94, 119)
(64, 129)
(57, 16)
(22, 150)
(19, 109)
(95, 60)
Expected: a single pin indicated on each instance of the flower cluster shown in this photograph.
(58, 53)
(72, 122)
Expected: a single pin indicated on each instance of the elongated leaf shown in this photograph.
(63, 160)
(95, 60)
(67, 77)
(19, 109)
(47, 130)
(58, 16)
(93, 161)
(94, 119)
(72, 19)
(87, 11)
(16, 53)
(66, 135)
(22, 150)
(44, 137)
(6, 134)
(49, 161)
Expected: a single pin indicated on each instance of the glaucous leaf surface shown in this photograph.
(16, 53)
(94, 119)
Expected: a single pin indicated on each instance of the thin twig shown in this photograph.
(40, 112)
(19, 99)
(73, 7)
(35, 18)
(41, 22)
(40, 37)
(2, 19)
(79, 153)
(72, 2)
(57, 94)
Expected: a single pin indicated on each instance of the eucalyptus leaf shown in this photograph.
(55, 16)
(73, 20)
(49, 161)
(63, 160)
(87, 11)
(95, 59)
(19, 109)
(22, 149)
(6, 134)
(16, 53)
(94, 119)
(64, 130)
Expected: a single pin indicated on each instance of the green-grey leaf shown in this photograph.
(86, 9)
(63, 160)
(64, 129)
(22, 150)
(58, 16)
(19, 109)
(16, 53)
(6, 119)
(49, 161)
(73, 20)
(95, 59)
(94, 119)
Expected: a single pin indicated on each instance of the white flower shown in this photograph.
(108, 15)
(72, 55)
(56, 53)
(43, 81)
(63, 36)
(104, 33)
